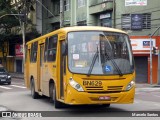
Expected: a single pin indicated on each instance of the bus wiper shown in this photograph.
(114, 64)
(110, 57)
(93, 62)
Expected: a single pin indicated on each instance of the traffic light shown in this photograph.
(154, 51)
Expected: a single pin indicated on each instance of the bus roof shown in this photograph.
(98, 28)
(78, 28)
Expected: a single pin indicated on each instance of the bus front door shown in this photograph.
(40, 75)
(62, 71)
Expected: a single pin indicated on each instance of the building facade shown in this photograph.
(14, 47)
(139, 18)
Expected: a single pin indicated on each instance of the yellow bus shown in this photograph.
(83, 65)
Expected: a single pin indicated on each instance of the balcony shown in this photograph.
(100, 7)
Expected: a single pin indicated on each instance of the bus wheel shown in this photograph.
(33, 92)
(57, 104)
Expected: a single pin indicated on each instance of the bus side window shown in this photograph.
(52, 48)
(34, 48)
(45, 51)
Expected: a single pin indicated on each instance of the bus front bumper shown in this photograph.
(73, 97)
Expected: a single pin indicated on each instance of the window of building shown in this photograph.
(147, 21)
(66, 5)
(106, 19)
(81, 3)
(52, 48)
(34, 48)
(126, 21)
(56, 7)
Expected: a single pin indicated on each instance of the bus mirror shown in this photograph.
(64, 48)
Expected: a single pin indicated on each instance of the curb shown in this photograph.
(2, 108)
(18, 77)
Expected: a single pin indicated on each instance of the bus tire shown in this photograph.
(53, 98)
(33, 92)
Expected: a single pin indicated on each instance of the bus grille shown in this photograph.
(115, 88)
(101, 90)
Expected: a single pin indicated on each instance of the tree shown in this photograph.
(7, 23)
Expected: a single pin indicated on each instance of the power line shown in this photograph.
(45, 8)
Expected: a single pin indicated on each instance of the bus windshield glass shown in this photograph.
(99, 53)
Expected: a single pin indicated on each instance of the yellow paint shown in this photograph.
(50, 71)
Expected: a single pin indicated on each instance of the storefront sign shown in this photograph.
(136, 21)
(135, 2)
(107, 15)
(19, 50)
(142, 46)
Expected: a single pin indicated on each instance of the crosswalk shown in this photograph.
(11, 87)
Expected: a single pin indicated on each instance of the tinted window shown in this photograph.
(34, 48)
(2, 70)
(45, 51)
(52, 48)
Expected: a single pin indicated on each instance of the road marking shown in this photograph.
(156, 95)
(18, 86)
(157, 104)
(5, 87)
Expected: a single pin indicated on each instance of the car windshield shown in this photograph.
(2, 70)
(100, 53)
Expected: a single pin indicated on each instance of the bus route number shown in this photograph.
(92, 83)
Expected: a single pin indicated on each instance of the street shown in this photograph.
(16, 97)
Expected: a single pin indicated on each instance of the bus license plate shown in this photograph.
(89, 83)
(104, 98)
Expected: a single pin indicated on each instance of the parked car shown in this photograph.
(4, 76)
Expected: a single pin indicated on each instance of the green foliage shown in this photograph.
(4, 4)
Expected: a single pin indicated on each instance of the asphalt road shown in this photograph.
(16, 97)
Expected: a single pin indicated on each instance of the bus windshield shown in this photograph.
(99, 53)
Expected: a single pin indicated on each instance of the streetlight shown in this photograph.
(22, 28)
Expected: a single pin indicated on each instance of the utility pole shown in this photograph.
(23, 37)
(151, 47)
(61, 13)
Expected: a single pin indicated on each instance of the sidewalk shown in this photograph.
(146, 85)
(17, 75)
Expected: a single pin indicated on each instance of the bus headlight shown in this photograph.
(75, 85)
(130, 85)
